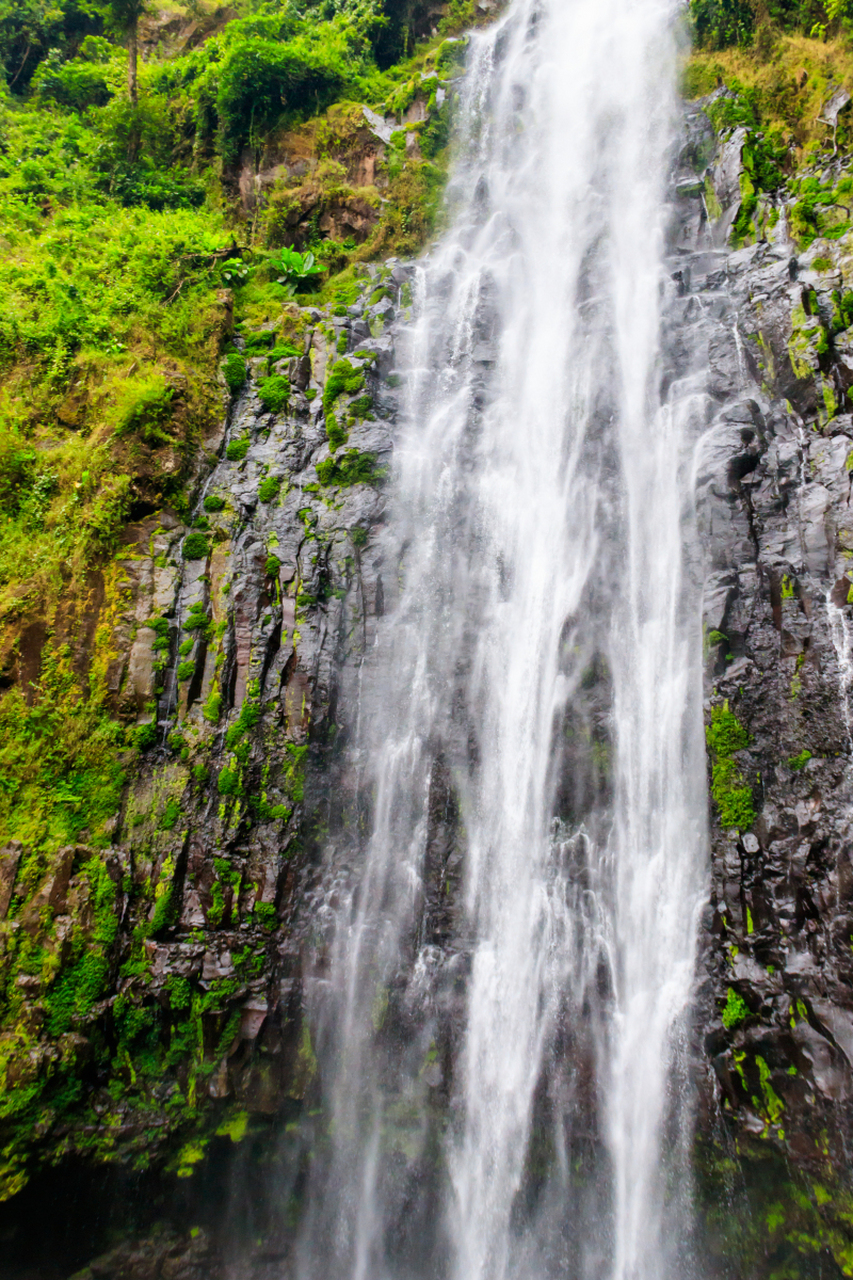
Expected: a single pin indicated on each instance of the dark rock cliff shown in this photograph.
(226, 642)
(773, 478)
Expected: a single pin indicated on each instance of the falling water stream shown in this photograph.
(500, 1017)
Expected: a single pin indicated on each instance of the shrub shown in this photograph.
(272, 566)
(725, 733)
(213, 502)
(250, 714)
(268, 491)
(237, 449)
(259, 343)
(234, 370)
(260, 80)
(228, 782)
(336, 434)
(717, 23)
(265, 913)
(195, 546)
(72, 84)
(360, 407)
(146, 735)
(185, 670)
(342, 379)
(284, 351)
(273, 392)
(152, 178)
(171, 813)
(197, 620)
(165, 912)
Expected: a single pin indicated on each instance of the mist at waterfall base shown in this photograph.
(505, 956)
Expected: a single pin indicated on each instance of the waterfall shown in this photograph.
(499, 1017)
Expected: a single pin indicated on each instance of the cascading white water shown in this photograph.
(540, 664)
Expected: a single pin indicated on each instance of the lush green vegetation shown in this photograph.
(717, 24)
(778, 93)
(779, 63)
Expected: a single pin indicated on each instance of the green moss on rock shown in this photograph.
(725, 736)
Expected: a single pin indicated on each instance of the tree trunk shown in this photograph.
(133, 90)
(132, 80)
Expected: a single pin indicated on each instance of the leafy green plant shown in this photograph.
(170, 815)
(250, 714)
(336, 433)
(235, 272)
(143, 406)
(195, 546)
(197, 619)
(725, 734)
(269, 489)
(284, 351)
(296, 268)
(212, 705)
(342, 379)
(213, 502)
(361, 406)
(259, 343)
(146, 735)
(273, 392)
(236, 450)
(265, 914)
(228, 782)
(234, 370)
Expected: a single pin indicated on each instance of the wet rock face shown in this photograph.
(775, 1009)
(157, 983)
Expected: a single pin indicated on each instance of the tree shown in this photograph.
(123, 17)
